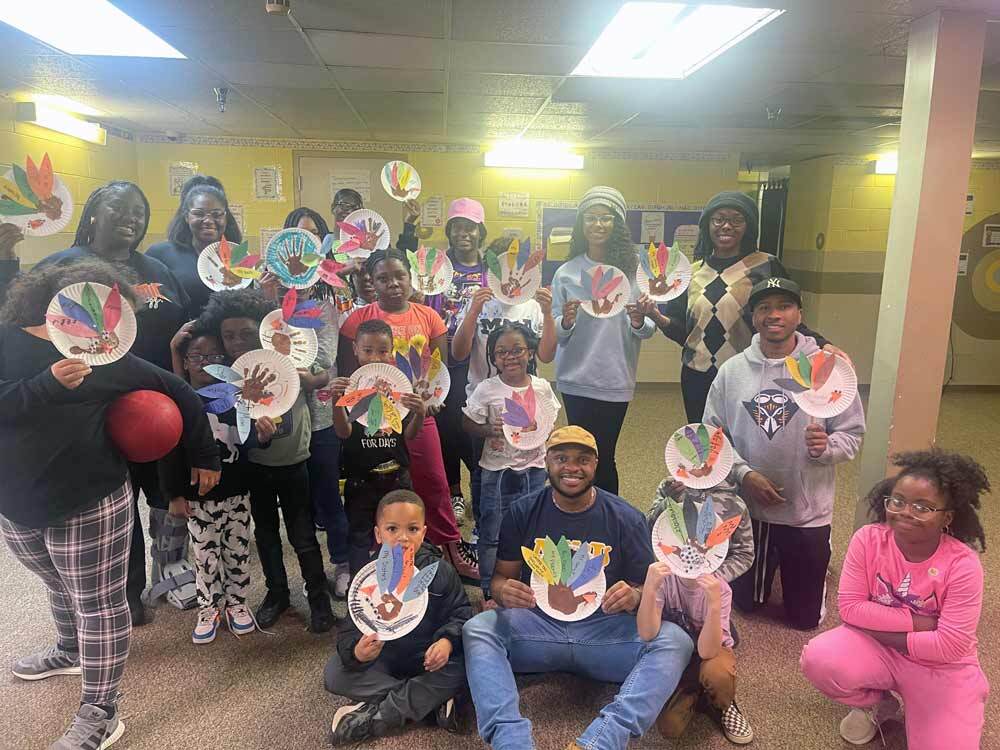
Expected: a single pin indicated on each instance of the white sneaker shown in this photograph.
(341, 579)
(735, 726)
(861, 725)
(458, 506)
(208, 625)
(240, 619)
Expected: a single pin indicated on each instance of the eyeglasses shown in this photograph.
(598, 219)
(517, 351)
(200, 359)
(346, 205)
(919, 510)
(734, 221)
(216, 213)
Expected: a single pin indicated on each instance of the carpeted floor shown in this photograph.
(266, 691)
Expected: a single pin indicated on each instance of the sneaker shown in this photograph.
(356, 723)
(270, 609)
(474, 536)
(207, 626)
(341, 579)
(458, 505)
(861, 725)
(321, 618)
(735, 726)
(49, 663)
(462, 556)
(91, 729)
(239, 618)
(447, 716)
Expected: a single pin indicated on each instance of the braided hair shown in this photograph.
(960, 478)
(619, 251)
(379, 256)
(85, 229)
(512, 326)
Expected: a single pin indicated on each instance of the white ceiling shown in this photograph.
(469, 71)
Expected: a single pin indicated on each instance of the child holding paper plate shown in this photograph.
(513, 413)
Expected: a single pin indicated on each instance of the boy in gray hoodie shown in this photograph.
(784, 459)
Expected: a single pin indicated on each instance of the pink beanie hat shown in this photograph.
(466, 208)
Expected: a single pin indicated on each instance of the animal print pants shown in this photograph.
(220, 538)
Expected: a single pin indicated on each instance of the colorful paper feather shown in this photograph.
(31, 191)
(364, 237)
(329, 271)
(520, 408)
(556, 566)
(808, 373)
(305, 314)
(675, 517)
(551, 557)
(706, 519)
(565, 557)
(580, 558)
(421, 582)
(593, 566)
(538, 566)
(723, 531)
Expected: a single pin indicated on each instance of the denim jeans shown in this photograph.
(324, 486)
(497, 491)
(502, 642)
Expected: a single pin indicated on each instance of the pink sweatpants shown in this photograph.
(944, 704)
(431, 483)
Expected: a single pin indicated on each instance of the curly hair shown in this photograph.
(180, 232)
(390, 253)
(235, 303)
(197, 331)
(512, 326)
(29, 294)
(85, 229)
(959, 478)
(619, 253)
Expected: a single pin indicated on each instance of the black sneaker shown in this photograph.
(735, 726)
(321, 619)
(356, 723)
(447, 716)
(270, 609)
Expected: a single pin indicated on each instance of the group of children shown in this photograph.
(910, 592)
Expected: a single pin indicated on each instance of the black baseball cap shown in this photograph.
(771, 286)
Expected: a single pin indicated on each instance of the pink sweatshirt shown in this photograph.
(879, 589)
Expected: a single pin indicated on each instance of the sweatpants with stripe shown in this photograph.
(220, 539)
(803, 554)
(83, 562)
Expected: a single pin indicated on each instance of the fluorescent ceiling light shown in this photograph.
(668, 40)
(66, 104)
(85, 27)
(59, 121)
(887, 163)
(533, 155)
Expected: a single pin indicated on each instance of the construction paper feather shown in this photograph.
(243, 421)
(790, 385)
(391, 415)
(223, 373)
(219, 390)
(686, 448)
(384, 568)
(537, 565)
(590, 570)
(404, 364)
(700, 448)
(407, 574)
(715, 444)
(723, 531)
(703, 441)
(360, 407)
(675, 517)
(305, 314)
(580, 558)
(493, 264)
(421, 582)
(31, 191)
(823, 365)
(78, 313)
(92, 304)
(515, 414)
(565, 558)
(706, 519)
(550, 554)
(375, 414)
(329, 271)
(690, 517)
(397, 567)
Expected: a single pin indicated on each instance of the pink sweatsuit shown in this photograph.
(943, 688)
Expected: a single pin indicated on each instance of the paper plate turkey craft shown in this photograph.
(373, 398)
(526, 421)
(388, 597)
(362, 232)
(822, 384)
(603, 290)
(699, 456)
(430, 270)
(293, 256)
(426, 372)
(91, 322)
(400, 180)
(664, 273)
(35, 199)
(514, 276)
(223, 265)
(691, 540)
(291, 330)
(568, 585)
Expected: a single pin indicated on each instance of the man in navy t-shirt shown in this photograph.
(603, 645)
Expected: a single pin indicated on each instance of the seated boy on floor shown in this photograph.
(414, 676)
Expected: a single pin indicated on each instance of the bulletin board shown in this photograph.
(659, 223)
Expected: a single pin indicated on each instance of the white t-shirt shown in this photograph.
(485, 405)
(493, 315)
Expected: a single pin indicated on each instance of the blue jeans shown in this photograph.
(607, 648)
(324, 486)
(497, 491)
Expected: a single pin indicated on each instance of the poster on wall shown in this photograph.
(514, 205)
(432, 212)
(266, 233)
(267, 184)
(359, 180)
(991, 235)
(651, 229)
(238, 210)
(179, 172)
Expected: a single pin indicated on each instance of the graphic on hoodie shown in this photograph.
(900, 596)
(771, 410)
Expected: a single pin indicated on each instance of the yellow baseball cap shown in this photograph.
(571, 435)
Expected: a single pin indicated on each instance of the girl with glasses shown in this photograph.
(911, 592)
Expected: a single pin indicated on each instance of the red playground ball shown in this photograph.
(145, 425)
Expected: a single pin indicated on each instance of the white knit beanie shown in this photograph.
(605, 196)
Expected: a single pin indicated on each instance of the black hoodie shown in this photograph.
(447, 610)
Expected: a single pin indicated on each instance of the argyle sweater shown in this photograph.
(712, 321)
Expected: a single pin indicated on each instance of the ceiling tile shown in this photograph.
(378, 104)
(575, 22)
(411, 18)
(535, 59)
(275, 74)
(302, 109)
(511, 105)
(464, 82)
(246, 45)
(379, 51)
(388, 79)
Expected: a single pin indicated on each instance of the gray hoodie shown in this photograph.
(767, 430)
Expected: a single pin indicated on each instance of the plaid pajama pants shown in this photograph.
(83, 563)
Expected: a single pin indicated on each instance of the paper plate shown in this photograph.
(39, 224)
(428, 284)
(293, 255)
(677, 282)
(685, 559)
(298, 344)
(363, 607)
(77, 327)
(400, 189)
(835, 395)
(377, 234)
(369, 376)
(545, 419)
(515, 286)
(680, 465)
(606, 308)
(435, 392)
(584, 609)
(214, 274)
(270, 383)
